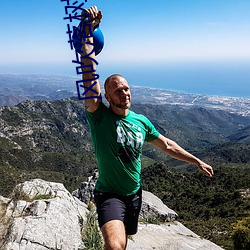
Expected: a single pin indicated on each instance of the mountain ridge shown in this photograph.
(52, 135)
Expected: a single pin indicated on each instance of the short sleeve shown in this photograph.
(152, 133)
(95, 117)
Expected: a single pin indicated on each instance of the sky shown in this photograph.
(144, 39)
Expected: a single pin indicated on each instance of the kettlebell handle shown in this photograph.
(88, 19)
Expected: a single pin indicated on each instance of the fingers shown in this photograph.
(207, 170)
(94, 13)
(99, 15)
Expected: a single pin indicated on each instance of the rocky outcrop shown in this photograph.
(85, 192)
(152, 206)
(43, 215)
(168, 236)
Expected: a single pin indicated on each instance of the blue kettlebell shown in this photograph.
(97, 35)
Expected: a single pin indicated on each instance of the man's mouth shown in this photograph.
(125, 100)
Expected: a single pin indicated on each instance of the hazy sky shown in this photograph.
(34, 30)
(137, 32)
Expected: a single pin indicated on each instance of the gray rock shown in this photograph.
(152, 206)
(46, 216)
(169, 236)
(85, 192)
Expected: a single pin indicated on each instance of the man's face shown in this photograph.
(118, 93)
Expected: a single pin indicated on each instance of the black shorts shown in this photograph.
(117, 207)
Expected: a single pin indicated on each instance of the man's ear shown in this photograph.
(107, 97)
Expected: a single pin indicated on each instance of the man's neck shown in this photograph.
(119, 111)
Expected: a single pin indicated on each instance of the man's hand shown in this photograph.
(95, 15)
(206, 169)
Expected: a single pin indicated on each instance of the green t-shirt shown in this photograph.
(118, 144)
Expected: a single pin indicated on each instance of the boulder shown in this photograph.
(85, 192)
(168, 236)
(152, 206)
(43, 215)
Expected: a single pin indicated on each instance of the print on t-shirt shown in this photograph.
(131, 140)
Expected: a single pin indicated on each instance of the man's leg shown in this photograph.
(133, 207)
(111, 212)
(114, 235)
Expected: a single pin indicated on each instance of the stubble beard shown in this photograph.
(121, 106)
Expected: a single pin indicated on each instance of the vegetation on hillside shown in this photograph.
(241, 234)
(208, 206)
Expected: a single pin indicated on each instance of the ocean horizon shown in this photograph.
(213, 79)
(231, 80)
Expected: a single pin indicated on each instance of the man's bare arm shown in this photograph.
(174, 150)
(92, 86)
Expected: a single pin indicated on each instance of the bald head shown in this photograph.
(112, 81)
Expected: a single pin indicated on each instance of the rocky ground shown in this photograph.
(43, 215)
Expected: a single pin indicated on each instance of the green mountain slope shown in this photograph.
(47, 139)
(208, 206)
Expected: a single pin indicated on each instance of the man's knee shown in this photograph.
(115, 245)
(114, 235)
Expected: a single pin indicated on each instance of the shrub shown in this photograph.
(151, 219)
(91, 235)
(241, 234)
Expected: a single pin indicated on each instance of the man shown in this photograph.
(118, 135)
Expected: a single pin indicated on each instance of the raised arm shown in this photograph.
(174, 150)
(92, 86)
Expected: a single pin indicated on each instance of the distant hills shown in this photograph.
(241, 136)
(15, 88)
(44, 139)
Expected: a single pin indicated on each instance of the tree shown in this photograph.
(241, 234)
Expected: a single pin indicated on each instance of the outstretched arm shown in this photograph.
(89, 59)
(174, 150)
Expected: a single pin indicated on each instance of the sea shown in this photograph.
(230, 79)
